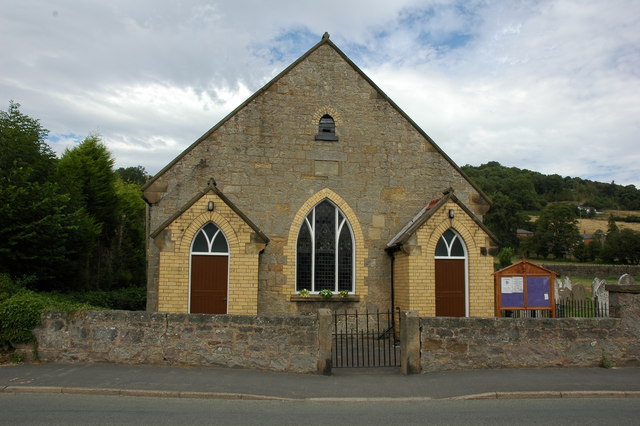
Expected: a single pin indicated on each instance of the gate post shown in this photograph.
(325, 327)
(410, 343)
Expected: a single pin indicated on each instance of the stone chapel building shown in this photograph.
(317, 182)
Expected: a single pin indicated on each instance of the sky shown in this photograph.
(551, 86)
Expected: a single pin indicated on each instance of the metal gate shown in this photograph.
(365, 340)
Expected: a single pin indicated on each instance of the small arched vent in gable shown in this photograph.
(327, 129)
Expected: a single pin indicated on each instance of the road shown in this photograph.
(56, 409)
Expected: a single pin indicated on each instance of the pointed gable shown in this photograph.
(427, 212)
(211, 187)
(314, 59)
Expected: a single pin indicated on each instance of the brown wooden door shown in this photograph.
(209, 284)
(450, 297)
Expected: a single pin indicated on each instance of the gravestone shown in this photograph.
(595, 287)
(562, 283)
(626, 279)
(578, 293)
(564, 294)
(598, 292)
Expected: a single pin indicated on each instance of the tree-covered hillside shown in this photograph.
(518, 193)
(533, 190)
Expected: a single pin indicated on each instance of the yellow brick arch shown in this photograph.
(199, 222)
(457, 225)
(334, 113)
(290, 247)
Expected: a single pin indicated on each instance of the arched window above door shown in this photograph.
(450, 245)
(210, 240)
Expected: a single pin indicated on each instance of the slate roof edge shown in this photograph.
(211, 187)
(425, 213)
(237, 109)
(410, 120)
(417, 221)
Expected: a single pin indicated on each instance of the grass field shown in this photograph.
(590, 226)
(600, 222)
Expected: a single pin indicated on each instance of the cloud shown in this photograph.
(546, 85)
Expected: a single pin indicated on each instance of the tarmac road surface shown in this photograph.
(59, 409)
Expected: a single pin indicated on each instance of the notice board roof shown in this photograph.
(525, 267)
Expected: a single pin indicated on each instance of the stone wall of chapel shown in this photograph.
(266, 160)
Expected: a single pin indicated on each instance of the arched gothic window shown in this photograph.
(450, 245)
(210, 240)
(326, 129)
(325, 251)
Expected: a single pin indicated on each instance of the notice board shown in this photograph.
(524, 285)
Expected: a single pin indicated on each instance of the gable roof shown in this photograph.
(324, 41)
(429, 210)
(211, 187)
(524, 267)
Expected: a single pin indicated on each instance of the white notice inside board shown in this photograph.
(512, 285)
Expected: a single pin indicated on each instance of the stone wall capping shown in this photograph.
(593, 269)
(617, 288)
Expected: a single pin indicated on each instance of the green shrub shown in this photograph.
(128, 299)
(8, 287)
(17, 358)
(19, 314)
(504, 257)
(605, 363)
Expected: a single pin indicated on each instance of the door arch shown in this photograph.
(209, 275)
(452, 292)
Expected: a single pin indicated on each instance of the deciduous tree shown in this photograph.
(556, 231)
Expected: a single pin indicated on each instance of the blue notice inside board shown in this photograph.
(538, 292)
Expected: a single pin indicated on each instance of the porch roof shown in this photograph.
(211, 187)
(429, 210)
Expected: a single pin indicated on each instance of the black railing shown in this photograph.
(365, 340)
(582, 309)
(564, 309)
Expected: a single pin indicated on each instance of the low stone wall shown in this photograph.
(600, 271)
(279, 343)
(466, 343)
(303, 343)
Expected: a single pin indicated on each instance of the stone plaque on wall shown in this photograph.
(326, 168)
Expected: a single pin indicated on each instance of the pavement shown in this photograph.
(343, 385)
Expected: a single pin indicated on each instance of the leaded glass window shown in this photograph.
(325, 251)
(210, 239)
(450, 245)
